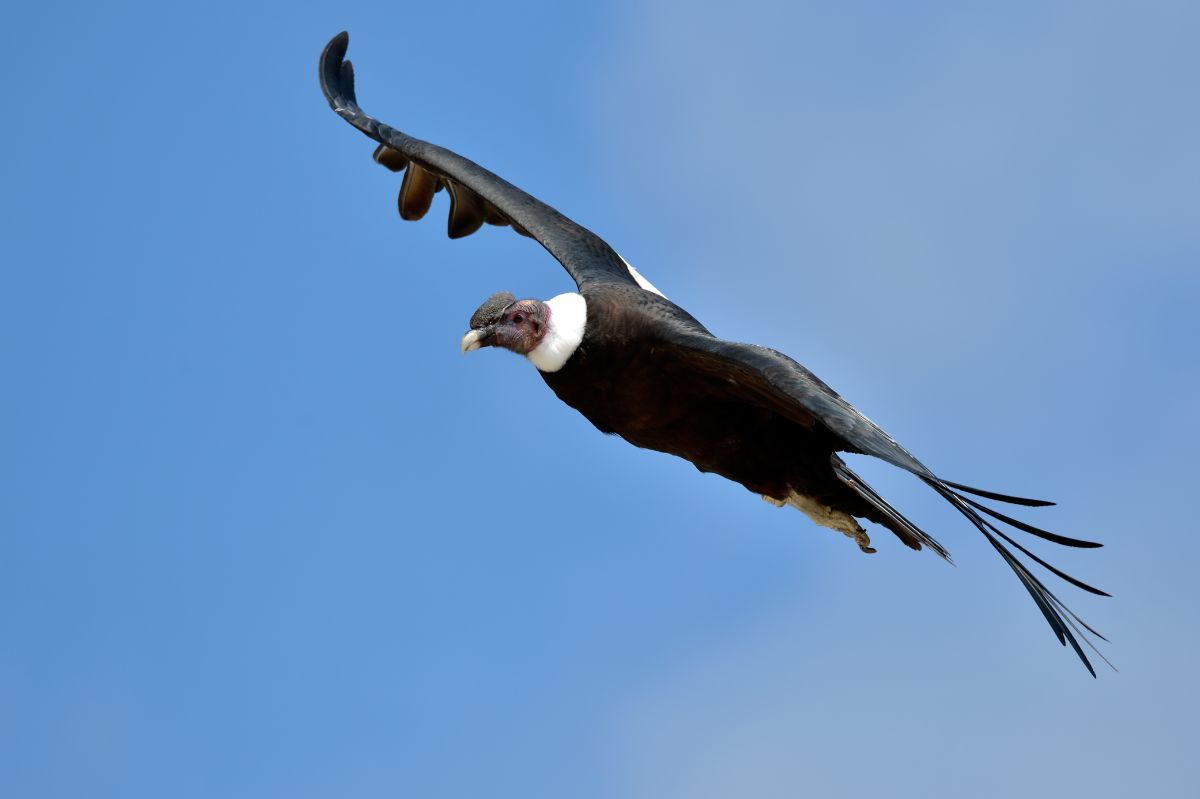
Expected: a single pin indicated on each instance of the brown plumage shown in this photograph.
(638, 366)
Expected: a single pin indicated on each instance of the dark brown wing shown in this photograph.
(780, 383)
(476, 195)
(772, 380)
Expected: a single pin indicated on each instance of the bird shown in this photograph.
(638, 366)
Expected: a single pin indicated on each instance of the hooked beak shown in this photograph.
(477, 339)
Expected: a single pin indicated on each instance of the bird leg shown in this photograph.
(826, 516)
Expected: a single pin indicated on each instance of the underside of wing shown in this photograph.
(784, 385)
(773, 380)
(477, 196)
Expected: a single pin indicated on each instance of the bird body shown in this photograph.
(627, 377)
(638, 366)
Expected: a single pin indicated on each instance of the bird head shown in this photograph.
(506, 322)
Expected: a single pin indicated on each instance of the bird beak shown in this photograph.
(477, 339)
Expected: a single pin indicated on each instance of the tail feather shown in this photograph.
(908, 532)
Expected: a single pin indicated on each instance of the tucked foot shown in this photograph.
(826, 516)
(864, 541)
(779, 503)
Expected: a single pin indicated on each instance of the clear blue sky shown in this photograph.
(266, 533)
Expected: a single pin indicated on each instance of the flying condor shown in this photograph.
(637, 365)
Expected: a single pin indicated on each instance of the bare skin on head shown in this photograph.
(506, 322)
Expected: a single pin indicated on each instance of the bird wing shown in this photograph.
(772, 380)
(778, 382)
(476, 195)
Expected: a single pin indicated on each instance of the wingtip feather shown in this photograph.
(1012, 500)
(347, 74)
(1060, 618)
(330, 69)
(1063, 540)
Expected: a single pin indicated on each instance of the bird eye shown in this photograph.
(518, 319)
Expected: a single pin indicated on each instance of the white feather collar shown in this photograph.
(564, 332)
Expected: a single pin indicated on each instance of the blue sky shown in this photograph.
(266, 533)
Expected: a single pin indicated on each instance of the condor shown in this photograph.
(638, 366)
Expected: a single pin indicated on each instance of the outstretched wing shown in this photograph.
(772, 380)
(476, 195)
(779, 383)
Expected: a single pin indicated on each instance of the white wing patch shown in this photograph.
(641, 281)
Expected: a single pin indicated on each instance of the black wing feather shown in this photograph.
(477, 195)
(795, 389)
(979, 492)
(769, 378)
(776, 381)
(1029, 528)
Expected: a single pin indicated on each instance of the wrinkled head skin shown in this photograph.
(506, 322)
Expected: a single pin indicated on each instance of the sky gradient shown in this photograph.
(266, 532)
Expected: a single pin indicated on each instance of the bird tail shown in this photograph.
(906, 531)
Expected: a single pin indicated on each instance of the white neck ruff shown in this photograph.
(564, 332)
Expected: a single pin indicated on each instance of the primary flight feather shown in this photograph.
(639, 366)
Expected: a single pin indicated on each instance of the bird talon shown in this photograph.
(864, 541)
